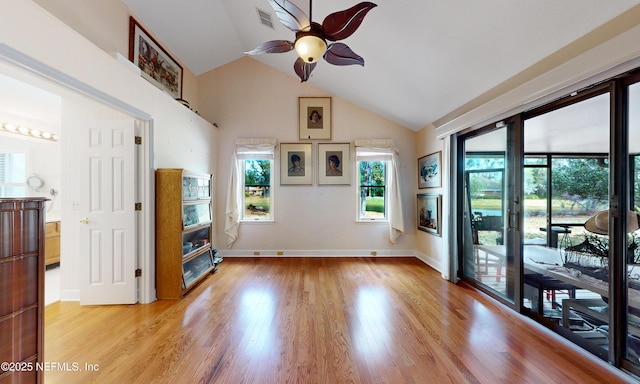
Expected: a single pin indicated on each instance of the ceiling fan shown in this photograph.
(310, 43)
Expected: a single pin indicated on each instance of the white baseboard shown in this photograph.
(430, 261)
(70, 295)
(316, 253)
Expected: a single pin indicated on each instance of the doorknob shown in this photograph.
(84, 221)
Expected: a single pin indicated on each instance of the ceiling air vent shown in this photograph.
(265, 18)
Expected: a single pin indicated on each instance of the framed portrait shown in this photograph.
(334, 163)
(155, 64)
(429, 171)
(315, 118)
(429, 215)
(296, 166)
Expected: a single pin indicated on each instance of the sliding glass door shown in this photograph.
(490, 220)
(548, 216)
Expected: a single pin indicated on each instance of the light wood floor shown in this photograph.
(311, 320)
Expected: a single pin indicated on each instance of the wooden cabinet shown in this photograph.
(52, 243)
(184, 254)
(21, 288)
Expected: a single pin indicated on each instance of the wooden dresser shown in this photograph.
(22, 223)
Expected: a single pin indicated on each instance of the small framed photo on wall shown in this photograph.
(315, 118)
(296, 166)
(334, 163)
(429, 215)
(429, 171)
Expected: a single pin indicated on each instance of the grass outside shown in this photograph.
(375, 204)
(535, 217)
(256, 206)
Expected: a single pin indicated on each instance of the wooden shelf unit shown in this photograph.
(22, 288)
(184, 255)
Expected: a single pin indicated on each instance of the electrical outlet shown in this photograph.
(75, 205)
(280, 253)
(373, 253)
(256, 253)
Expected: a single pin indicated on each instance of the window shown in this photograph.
(372, 180)
(250, 196)
(256, 199)
(378, 188)
(13, 174)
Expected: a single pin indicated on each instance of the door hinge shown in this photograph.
(138, 272)
(138, 207)
(138, 140)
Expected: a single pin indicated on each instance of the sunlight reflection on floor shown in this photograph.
(372, 336)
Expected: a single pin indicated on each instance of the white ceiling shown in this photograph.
(22, 103)
(423, 59)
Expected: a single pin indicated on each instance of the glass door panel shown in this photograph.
(195, 240)
(633, 238)
(485, 259)
(196, 214)
(535, 203)
(565, 279)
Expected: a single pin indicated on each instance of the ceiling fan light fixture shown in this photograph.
(310, 45)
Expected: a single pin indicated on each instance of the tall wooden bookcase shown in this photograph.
(22, 223)
(184, 254)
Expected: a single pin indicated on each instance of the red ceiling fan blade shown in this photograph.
(303, 69)
(341, 54)
(273, 46)
(290, 16)
(340, 25)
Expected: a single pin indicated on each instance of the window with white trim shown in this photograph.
(372, 181)
(13, 173)
(378, 189)
(256, 198)
(250, 196)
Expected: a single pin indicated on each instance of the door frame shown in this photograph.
(513, 179)
(145, 180)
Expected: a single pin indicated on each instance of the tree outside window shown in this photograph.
(257, 190)
(372, 196)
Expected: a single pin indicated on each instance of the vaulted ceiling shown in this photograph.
(423, 59)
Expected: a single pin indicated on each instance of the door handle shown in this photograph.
(84, 221)
(512, 215)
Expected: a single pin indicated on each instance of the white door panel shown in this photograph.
(108, 229)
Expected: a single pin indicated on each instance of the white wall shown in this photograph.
(106, 24)
(429, 248)
(252, 100)
(180, 137)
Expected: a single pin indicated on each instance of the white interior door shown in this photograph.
(108, 220)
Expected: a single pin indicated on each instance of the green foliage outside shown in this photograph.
(372, 188)
(580, 184)
(257, 186)
(375, 204)
(257, 172)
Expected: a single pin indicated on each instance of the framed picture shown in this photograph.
(429, 216)
(334, 163)
(315, 118)
(296, 167)
(429, 171)
(156, 65)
